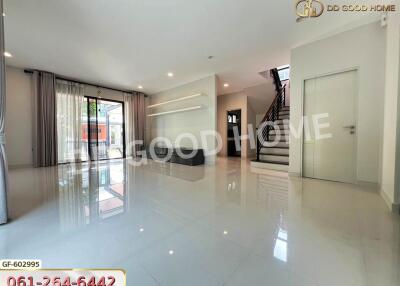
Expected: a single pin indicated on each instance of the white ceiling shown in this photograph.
(124, 43)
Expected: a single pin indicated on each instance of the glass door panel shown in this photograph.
(93, 128)
(111, 129)
(84, 131)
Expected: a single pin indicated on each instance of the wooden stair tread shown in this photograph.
(277, 147)
(272, 162)
(272, 154)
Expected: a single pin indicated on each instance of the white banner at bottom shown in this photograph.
(63, 277)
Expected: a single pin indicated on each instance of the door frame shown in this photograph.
(356, 96)
(226, 132)
(97, 135)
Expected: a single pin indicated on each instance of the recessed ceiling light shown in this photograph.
(226, 84)
(140, 87)
(7, 55)
(4, 14)
(170, 74)
(171, 252)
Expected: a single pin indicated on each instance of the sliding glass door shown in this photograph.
(104, 129)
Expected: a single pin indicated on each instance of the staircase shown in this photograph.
(273, 141)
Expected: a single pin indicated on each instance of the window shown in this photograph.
(284, 73)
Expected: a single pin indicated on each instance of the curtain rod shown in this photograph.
(86, 83)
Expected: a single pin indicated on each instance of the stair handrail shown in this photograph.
(276, 100)
(273, 111)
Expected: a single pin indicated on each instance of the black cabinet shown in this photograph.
(190, 157)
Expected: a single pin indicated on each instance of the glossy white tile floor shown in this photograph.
(168, 224)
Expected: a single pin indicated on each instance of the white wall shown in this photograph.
(259, 117)
(193, 122)
(362, 48)
(104, 93)
(261, 96)
(18, 118)
(391, 113)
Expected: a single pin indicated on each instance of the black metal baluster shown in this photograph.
(273, 112)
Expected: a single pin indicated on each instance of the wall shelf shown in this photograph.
(176, 100)
(176, 110)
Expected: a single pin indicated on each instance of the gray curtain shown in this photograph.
(44, 119)
(3, 160)
(70, 98)
(139, 114)
(129, 124)
(135, 122)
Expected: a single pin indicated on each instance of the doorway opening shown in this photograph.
(234, 129)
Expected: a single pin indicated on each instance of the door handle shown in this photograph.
(352, 127)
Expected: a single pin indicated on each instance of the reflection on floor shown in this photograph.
(90, 193)
(188, 173)
(226, 224)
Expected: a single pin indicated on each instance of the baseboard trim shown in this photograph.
(210, 160)
(22, 166)
(369, 185)
(269, 166)
(294, 174)
(392, 206)
(396, 208)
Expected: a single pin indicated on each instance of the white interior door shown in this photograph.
(331, 158)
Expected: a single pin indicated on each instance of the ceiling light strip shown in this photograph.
(175, 100)
(176, 111)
